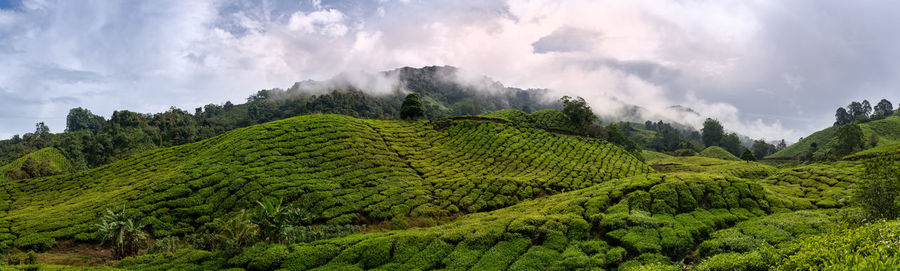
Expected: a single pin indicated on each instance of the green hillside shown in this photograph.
(886, 130)
(891, 150)
(718, 153)
(550, 119)
(624, 223)
(50, 160)
(341, 169)
(652, 156)
(476, 193)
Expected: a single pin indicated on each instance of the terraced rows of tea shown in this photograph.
(343, 170)
(643, 220)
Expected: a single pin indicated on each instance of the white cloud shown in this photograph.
(326, 22)
(732, 60)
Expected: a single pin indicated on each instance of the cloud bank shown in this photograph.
(767, 69)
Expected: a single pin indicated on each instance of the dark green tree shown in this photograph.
(762, 149)
(781, 145)
(712, 132)
(411, 108)
(883, 109)
(578, 111)
(82, 119)
(873, 140)
(849, 139)
(855, 109)
(841, 117)
(747, 155)
(667, 139)
(810, 154)
(732, 144)
(866, 108)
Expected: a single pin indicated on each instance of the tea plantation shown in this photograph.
(343, 170)
(480, 193)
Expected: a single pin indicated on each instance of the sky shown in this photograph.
(767, 69)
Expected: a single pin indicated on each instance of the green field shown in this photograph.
(485, 193)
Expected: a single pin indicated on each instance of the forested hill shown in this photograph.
(90, 140)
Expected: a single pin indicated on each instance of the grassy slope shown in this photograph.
(344, 170)
(698, 211)
(888, 131)
(719, 153)
(547, 118)
(722, 214)
(892, 149)
(652, 156)
(621, 223)
(58, 161)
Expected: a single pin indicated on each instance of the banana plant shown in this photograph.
(127, 235)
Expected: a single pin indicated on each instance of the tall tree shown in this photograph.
(781, 145)
(667, 139)
(82, 119)
(732, 143)
(411, 108)
(849, 139)
(842, 117)
(747, 155)
(884, 108)
(578, 111)
(866, 108)
(855, 109)
(712, 132)
(762, 149)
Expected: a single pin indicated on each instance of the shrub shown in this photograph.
(639, 200)
(13, 260)
(235, 232)
(574, 259)
(645, 261)
(35, 241)
(615, 256)
(685, 152)
(579, 229)
(536, 258)
(269, 259)
(642, 240)
(31, 258)
(502, 255)
(398, 223)
(879, 191)
(430, 256)
(309, 256)
(675, 242)
(465, 255)
(752, 261)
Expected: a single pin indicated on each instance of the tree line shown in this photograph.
(863, 112)
(90, 140)
(713, 134)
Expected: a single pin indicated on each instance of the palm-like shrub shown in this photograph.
(236, 232)
(273, 219)
(127, 235)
